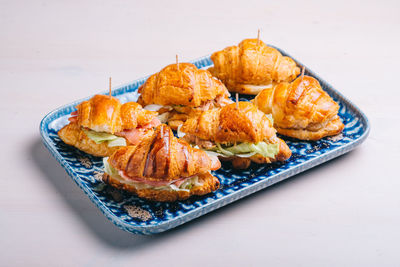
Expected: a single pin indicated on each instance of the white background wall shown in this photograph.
(344, 213)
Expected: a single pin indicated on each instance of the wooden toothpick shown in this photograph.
(237, 101)
(302, 73)
(258, 37)
(177, 62)
(162, 131)
(109, 89)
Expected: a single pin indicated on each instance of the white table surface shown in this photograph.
(343, 213)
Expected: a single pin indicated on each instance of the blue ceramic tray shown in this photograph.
(140, 216)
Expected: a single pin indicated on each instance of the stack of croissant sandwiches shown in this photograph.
(143, 156)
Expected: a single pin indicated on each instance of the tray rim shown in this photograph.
(227, 199)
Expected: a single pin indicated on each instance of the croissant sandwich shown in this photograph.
(162, 168)
(102, 124)
(252, 66)
(240, 133)
(181, 89)
(301, 109)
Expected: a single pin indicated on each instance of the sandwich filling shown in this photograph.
(100, 137)
(253, 89)
(246, 150)
(181, 184)
(118, 139)
(243, 150)
(165, 112)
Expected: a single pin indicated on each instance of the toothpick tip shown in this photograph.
(109, 89)
(302, 72)
(177, 62)
(237, 100)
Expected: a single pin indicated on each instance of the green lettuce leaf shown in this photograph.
(248, 150)
(119, 141)
(221, 150)
(99, 137)
(110, 170)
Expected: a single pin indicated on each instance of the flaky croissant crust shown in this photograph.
(301, 109)
(106, 114)
(162, 157)
(184, 85)
(73, 134)
(208, 182)
(250, 64)
(230, 124)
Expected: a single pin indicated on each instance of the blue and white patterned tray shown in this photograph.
(140, 216)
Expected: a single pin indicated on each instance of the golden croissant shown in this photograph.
(238, 132)
(183, 89)
(102, 124)
(301, 109)
(162, 168)
(252, 66)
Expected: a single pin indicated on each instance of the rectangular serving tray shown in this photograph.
(145, 217)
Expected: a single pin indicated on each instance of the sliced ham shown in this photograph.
(73, 119)
(154, 123)
(222, 101)
(215, 163)
(198, 141)
(134, 136)
(177, 182)
(74, 116)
